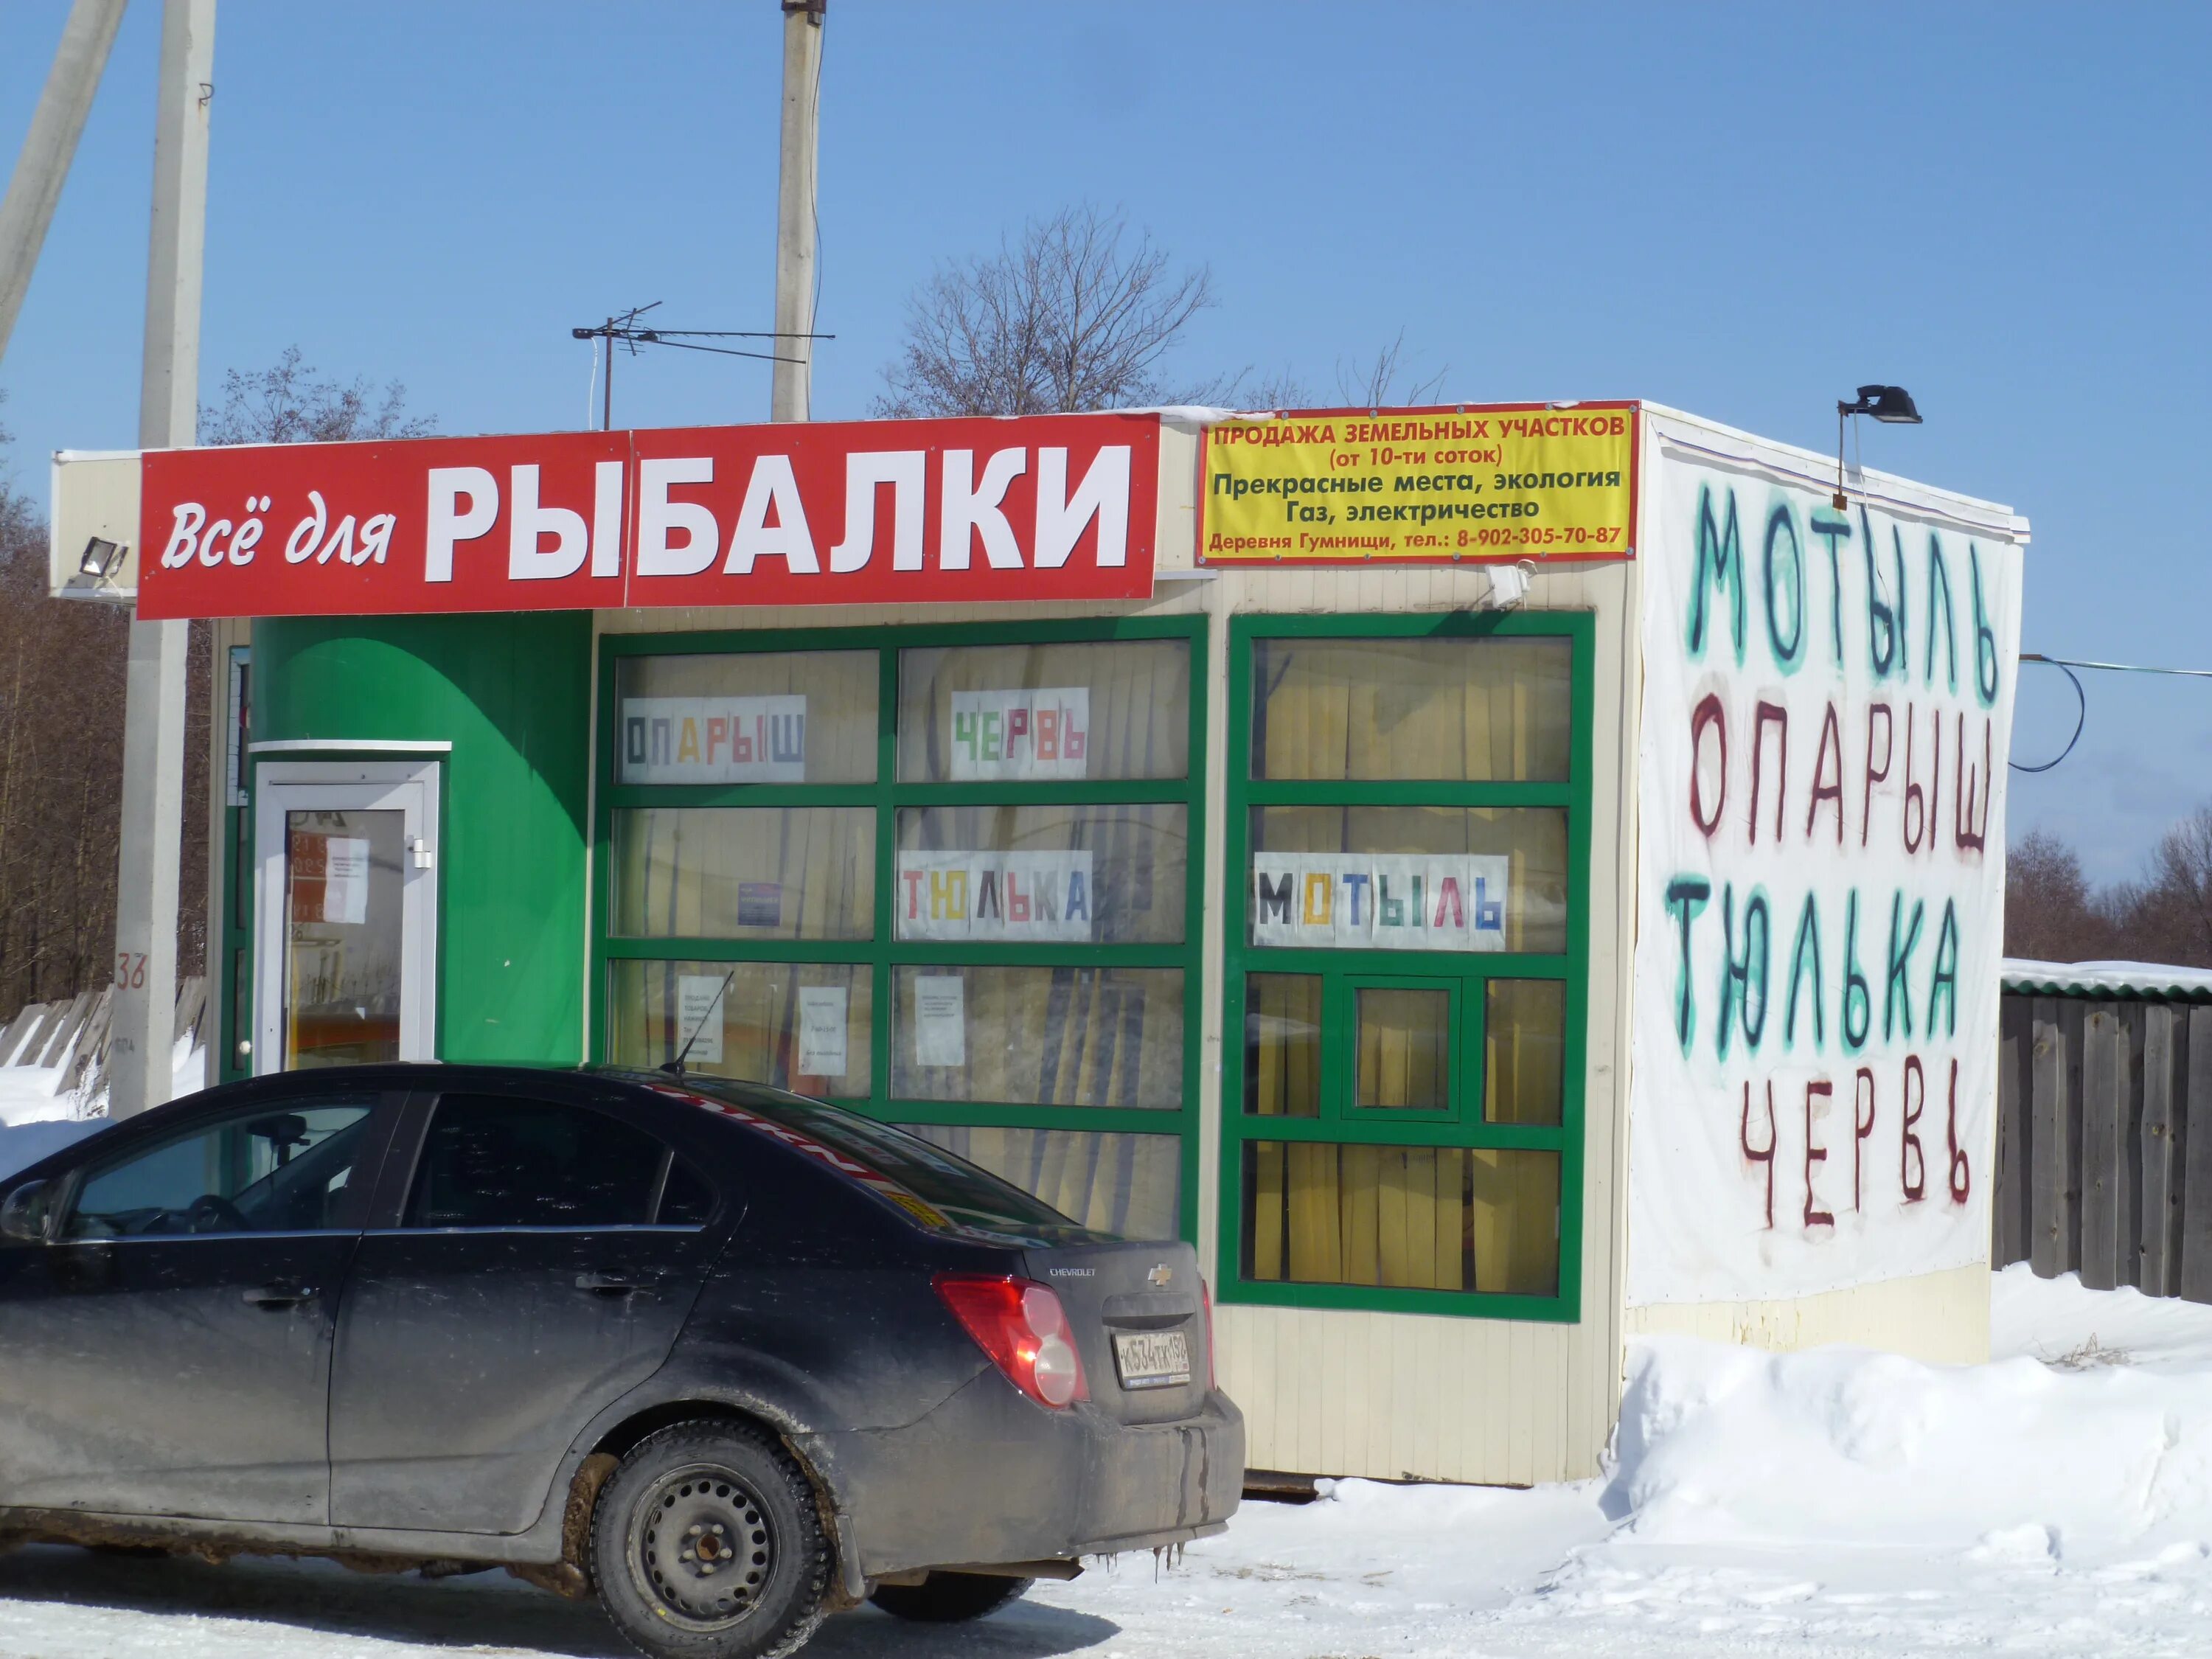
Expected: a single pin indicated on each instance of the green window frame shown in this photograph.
(883, 953)
(1343, 972)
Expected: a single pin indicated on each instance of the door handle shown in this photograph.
(280, 1296)
(616, 1284)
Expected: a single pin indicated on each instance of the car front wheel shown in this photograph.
(949, 1598)
(706, 1544)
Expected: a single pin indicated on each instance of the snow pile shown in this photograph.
(38, 1116)
(2069, 1455)
(1852, 1448)
(34, 1094)
(2058, 1321)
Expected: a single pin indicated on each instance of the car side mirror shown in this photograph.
(23, 1213)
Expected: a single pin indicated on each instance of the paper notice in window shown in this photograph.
(345, 879)
(714, 739)
(1040, 732)
(822, 1031)
(974, 897)
(940, 1020)
(700, 1005)
(1383, 901)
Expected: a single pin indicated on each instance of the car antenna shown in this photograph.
(675, 1067)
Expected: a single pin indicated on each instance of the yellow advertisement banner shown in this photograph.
(1346, 485)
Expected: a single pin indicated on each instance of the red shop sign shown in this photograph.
(1043, 507)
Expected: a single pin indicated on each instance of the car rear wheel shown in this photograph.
(706, 1544)
(949, 1598)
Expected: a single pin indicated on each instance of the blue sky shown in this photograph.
(1741, 211)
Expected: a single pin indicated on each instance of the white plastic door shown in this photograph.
(346, 962)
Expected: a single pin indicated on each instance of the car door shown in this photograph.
(168, 1351)
(538, 1265)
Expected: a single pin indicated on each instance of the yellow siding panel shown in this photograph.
(1942, 1318)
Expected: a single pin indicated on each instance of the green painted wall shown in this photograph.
(512, 694)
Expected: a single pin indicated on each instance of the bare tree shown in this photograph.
(2164, 915)
(2182, 869)
(2051, 915)
(61, 747)
(291, 402)
(1374, 383)
(1282, 388)
(1076, 313)
(1386, 379)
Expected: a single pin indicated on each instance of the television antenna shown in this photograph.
(625, 329)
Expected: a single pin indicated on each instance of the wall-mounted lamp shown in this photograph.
(1890, 405)
(101, 558)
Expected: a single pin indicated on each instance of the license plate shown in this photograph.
(1151, 1359)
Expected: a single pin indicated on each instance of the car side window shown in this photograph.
(274, 1167)
(499, 1161)
(686, 1200)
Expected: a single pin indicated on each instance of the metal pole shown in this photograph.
(791, 389)
(607, 397)
(145, 967)
(48, 147)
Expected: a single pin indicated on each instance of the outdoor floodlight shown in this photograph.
(101, 558)
(1890, 405)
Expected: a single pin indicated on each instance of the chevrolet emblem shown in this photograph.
(1159, 1276)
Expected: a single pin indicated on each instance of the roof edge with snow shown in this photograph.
(2151, 981)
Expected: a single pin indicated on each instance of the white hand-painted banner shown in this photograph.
(714, 739)
(1827, 706)
(987, 898)
(1043, 733)
(1381, 900)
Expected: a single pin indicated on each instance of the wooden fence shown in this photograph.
(2104, 1142)
(72, 1034)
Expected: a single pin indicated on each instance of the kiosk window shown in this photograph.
(795, 872)
(1405, 963)
(984, 928)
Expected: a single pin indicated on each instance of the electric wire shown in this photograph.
(2116, 667)
(2080, 713)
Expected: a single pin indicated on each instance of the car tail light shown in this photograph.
(1024, 1328)
(1205, 1295)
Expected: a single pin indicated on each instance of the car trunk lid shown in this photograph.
(1138, 1313)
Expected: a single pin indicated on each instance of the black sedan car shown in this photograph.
(729, 1358)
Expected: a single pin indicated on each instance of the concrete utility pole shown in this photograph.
(49, 147)
(791, 391)
(145, 967)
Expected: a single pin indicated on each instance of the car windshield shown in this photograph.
(970, 1198)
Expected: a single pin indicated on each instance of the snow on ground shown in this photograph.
(39, 1116)
(1841, 1504)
